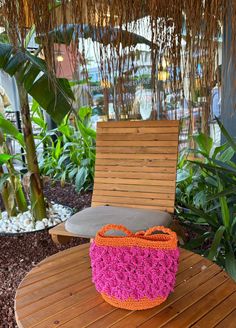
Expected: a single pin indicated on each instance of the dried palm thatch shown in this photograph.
(183, 31)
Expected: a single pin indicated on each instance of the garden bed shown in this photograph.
(19, 254)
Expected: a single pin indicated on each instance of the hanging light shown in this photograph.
(60, 58)
(163, 75)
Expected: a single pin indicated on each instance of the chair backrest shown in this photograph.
(136, 164)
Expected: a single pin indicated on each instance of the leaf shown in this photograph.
(59, 35)
(72, 173)
(216, 242)
(15, 63)
(226, 134)
(204, 142)
(53, 94)
(84, 112)
(58, 149)
(85, 162)
(30, 75)
(230, 264)
(219, 149)
(29, 36)
(4, 158)
(3, 179)
(5, 53)
(225, 192)
(4, 37)
(225, 211)
(199, 198)
(66, 33)
(208, 218)
(62, 159)
(40, 122)
(52, 100)
(64, 87)
(211, 181)
(233, 227)
(7, 127)
(65, 130)
(86, 131)
(81, 177)
(197, 242)
(182, 175)
(220, 167)
(63, 179)
(226, 155)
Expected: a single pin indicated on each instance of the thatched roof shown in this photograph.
(197, 22)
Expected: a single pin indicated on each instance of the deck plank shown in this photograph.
(228, 322)
(218, 313)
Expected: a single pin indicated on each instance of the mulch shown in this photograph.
(19, 254)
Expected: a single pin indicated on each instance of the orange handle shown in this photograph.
(114, 227)
(161, 229)
(166, 240)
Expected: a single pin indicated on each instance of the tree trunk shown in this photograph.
(18, 190)
(36, 191)
(8, 200)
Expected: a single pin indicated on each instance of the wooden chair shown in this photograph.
(135, 167)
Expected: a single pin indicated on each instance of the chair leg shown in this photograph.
(59, 239)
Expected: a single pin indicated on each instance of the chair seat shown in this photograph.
(87, 222)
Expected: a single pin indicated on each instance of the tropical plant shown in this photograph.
(69, 150)
(10, 182)
(214, 218)
(53, 94)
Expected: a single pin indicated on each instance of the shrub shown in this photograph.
(206, 199)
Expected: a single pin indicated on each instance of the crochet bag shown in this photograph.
(136, 271)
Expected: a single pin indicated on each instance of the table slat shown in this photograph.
(218, 313)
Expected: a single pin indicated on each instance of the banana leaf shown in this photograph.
(105, 35)
(54, 95)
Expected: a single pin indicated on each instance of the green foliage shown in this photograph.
(10, 180)
(206, 199)
(69, 150)
(53, 94)
(10, 130)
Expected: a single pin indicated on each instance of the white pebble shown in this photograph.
(27, 222)
(45, 221)
(29, 227)
(57, 221)
(23, 222)
(39, 225)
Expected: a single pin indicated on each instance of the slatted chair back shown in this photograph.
(136, 164)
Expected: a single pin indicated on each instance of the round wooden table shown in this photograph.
(59, 293)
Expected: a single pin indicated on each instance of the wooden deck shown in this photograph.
(59, 293)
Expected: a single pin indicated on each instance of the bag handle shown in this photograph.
(108, 227)
(161, 229)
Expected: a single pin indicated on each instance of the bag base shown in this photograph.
(132, 304)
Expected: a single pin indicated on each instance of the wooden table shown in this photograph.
(59, 293)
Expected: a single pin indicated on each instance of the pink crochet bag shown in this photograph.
(136, 271)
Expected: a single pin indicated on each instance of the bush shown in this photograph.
(68, 150)
(206, 188)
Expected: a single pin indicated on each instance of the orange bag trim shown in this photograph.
(131, 304)
(168, 240)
